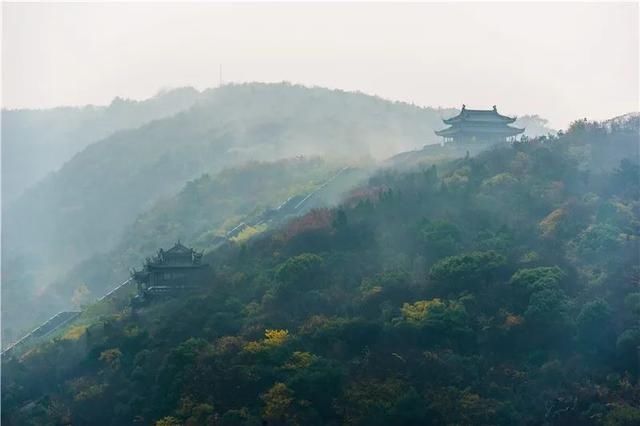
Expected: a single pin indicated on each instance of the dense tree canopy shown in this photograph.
(497, 289)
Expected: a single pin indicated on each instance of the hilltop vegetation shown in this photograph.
(202, 212)
(497, 289)
(83, 209)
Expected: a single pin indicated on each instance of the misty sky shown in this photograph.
(562, 61)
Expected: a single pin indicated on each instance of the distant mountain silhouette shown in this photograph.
(37, 142)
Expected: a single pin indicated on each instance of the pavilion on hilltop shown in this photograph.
(479, 126)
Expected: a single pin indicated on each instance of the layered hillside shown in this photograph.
(119, 177)
(497, 289)
(38, 142)
(84, 208)
(202, 213)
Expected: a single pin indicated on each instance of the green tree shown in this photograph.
(382, 402)
(527, 281)
(299, 273)
(547, 316)
(440, 238)
(594, 326)
(168, 421)
(442, 316)
(622, 415)
(467, 271)
(279, 404)
(627, 345)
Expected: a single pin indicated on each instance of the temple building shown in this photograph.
(176, 269)
(479, 126)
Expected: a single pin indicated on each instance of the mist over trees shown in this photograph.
(38, 142)
(534, 126)
(500, 288)
(201, 213)
(83, 209)
(421, 284)
(343, 214)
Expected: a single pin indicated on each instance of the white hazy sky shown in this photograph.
(560, 60)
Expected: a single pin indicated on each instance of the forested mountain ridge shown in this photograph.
(230, 125)
(84, 208)
(497, 289)
(202, 212)
(37, 142)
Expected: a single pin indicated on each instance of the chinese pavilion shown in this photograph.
(178, 268)
(479, 126)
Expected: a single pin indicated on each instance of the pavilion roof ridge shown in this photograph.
(467, 114)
